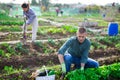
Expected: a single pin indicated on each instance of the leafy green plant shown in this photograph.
(51, 41)
(10, 23)
(19, 48)
(7, 50)
(2, 53)
(12, 28)
(39, 44)
(118, 46)
(106, 41)
(97, 45)
(8, 69)
(45, 48)
(71, 29)
(10, 49)
(101, 73)
(115, 70)
(90, 74)
(75, 75)
(56, 30)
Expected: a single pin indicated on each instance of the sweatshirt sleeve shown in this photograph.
(65, 46)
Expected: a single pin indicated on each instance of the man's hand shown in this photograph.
(82, 69)
(63, 67)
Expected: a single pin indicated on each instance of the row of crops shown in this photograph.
(52, 30)
(52, 46)
(105, 72)
(109, 72)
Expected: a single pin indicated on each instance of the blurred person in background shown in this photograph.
(31, 17)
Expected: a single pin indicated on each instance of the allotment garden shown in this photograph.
(17, 61)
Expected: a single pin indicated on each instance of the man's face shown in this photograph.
(25, 9)
(81, 37)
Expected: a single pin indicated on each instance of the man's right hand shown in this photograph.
(63, 67)
(82, 69)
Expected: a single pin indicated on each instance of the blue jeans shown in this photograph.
(75, 60)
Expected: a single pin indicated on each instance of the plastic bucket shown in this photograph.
(51, 77)
(112, 28)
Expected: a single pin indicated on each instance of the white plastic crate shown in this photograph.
(51, 77)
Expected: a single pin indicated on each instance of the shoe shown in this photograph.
(62, 76)
(33, 42)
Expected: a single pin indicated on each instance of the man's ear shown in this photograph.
(86, 34)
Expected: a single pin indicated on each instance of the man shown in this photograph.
(75, 51)
(57, 11)
(31, 19)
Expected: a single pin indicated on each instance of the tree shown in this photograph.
(34, 2)
(44, 5)
(4, 8)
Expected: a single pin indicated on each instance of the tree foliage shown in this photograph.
(34, 2)
(45, 5)
(4, 8)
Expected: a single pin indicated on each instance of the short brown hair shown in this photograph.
(25, 5)
(82, 30)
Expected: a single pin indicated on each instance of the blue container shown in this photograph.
(112, 29)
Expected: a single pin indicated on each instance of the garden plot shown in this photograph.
(17, 61)
(44, 33)
(25, 59)
(16, 56)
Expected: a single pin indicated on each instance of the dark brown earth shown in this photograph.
(34, 60)
(17, 36)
